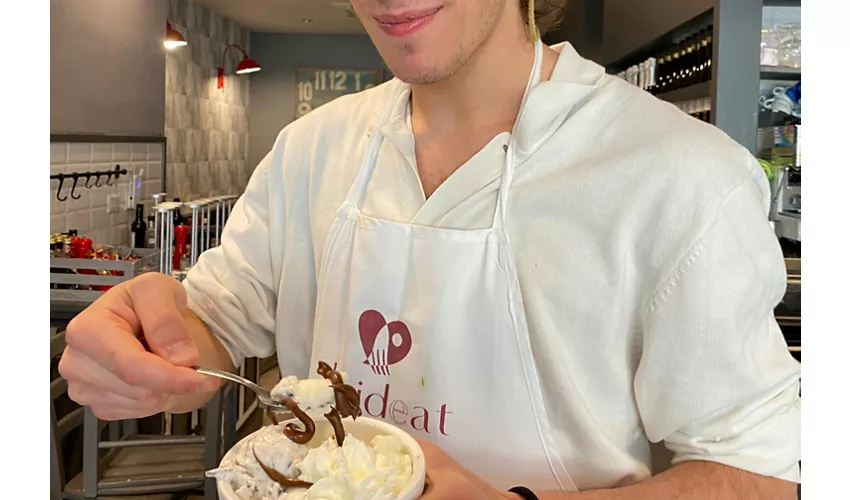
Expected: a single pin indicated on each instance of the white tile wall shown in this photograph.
(88, 214)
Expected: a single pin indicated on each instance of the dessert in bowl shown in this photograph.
(327, 452)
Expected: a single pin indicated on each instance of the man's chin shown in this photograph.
(420, 75)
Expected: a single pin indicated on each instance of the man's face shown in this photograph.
(425, 41)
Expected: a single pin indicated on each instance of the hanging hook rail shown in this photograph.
(96, 175)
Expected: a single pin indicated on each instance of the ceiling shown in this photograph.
(288, 16)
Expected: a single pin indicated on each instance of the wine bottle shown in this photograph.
(678, 66)
(687, 61)
(178, 217)
(151, 243)
(139, 228)
(660, 69)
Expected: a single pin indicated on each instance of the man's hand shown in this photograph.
(130, 353)
(448, 480)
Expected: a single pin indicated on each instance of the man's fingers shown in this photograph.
(159, 306)
(94, 396)
(75, 366)
(112, 345)
(110, 413)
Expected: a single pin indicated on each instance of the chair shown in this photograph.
(59, 427)
(129, 463)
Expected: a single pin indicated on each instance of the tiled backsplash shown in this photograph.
(206, 127)
(88, 215)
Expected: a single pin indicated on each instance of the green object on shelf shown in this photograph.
(768, 168)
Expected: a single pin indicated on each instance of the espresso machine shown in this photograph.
(786, 186)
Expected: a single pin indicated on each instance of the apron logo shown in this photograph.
(382, 351)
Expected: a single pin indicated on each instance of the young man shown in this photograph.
(535, 268)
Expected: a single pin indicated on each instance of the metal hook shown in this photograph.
(88, 178)
(97, 181)
(61, 179)
(115, 173)
(74, 188)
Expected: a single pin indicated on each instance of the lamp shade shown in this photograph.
(247, 65)
(173, 38)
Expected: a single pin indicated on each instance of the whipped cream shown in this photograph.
(247, 477)
(313, 396)
(356, 471)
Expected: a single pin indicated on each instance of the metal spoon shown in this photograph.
(263, 395)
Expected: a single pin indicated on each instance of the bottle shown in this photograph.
(704, 55)
(55, 251)
(151, 243)
(180, 249)
(668, 71)
(675, 68)
(138, 228)
(698, 55)
(660, 69)
(688, 61)
(652, 75)
(178, 217)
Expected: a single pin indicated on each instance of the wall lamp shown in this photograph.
(173, 38)
(247, 65)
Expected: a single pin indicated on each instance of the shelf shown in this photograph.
(782, 3)
(780, 73)
(661, 43)
(698, 91)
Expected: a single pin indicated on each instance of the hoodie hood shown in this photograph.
(551, 102)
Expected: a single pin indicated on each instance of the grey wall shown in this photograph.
(630, 24)
(206, 127)
(272, 95)
(107, 67)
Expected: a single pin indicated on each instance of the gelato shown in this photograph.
(356, 470)
(279, 463)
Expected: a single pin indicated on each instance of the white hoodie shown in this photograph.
(648, 268)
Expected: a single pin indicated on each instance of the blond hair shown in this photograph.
(542, 16)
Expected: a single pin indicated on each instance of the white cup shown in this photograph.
(779, 104)
(364, 429)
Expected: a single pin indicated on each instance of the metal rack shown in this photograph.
(204, 234)
(84, 288)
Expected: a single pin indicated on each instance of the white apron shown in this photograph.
(429, 325)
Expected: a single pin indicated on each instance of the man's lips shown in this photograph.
(405, 23)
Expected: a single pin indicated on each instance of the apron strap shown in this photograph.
(370, 159)
(510, 158)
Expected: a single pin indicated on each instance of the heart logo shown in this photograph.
(383, 351)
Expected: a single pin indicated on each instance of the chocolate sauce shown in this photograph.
(292, 432)
(346, 397)
(336, 422)
(278, 477)
(329, 373)
(347, 400)
(347, 404)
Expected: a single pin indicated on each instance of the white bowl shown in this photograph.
(364, 429)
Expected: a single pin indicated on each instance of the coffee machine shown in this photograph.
(786, 187)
